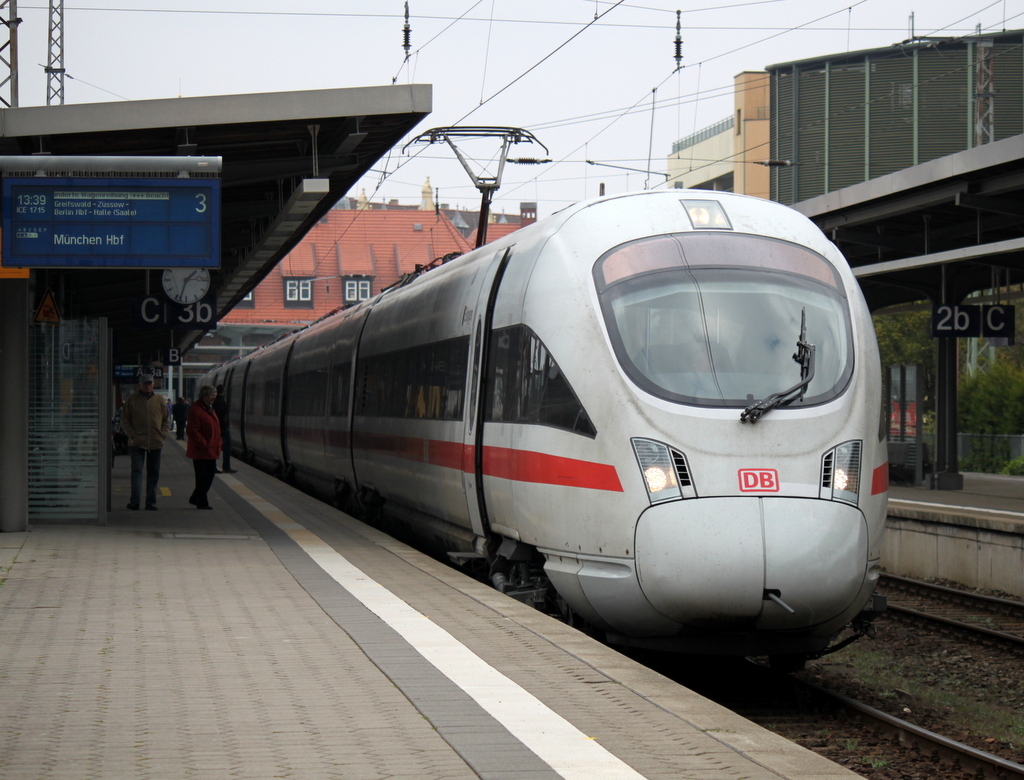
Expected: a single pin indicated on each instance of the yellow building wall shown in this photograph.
(735, 149)
(702, 162)
(752, 135)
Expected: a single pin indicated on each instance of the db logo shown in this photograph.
(759, 480)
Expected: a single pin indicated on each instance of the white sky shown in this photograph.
(586, 92)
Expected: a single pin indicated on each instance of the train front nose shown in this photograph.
(711, 563)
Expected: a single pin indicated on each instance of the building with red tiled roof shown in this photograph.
(499, 224)
(358, 249)
(499, 229)
(349, 256)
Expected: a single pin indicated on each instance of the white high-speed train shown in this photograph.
(662, 409)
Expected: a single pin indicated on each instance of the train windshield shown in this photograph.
(712, 319)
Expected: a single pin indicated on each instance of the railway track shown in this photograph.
(988, 618)
(956, 756)
(856, 735)
(866, 740)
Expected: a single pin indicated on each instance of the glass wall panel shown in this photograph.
(65, 371)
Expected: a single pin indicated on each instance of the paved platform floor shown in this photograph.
(277, 637)
(991, 500)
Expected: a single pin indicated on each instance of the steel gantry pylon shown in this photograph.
(984, 95)
(9, 54)
(486, 184)
(55, 60)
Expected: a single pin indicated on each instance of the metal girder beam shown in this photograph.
(879, 239)
(939, 258)
(261, 171)
(894, 207)
(282, 232)
(346, 139)
(999, 185)
(1014, 208)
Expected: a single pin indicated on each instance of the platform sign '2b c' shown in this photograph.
(971, 321)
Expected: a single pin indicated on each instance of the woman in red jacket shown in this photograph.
(204, 444)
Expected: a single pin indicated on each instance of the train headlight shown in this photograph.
(666, 475)
(657, 479)
(840, 472)
(841, 479)
(706, 214)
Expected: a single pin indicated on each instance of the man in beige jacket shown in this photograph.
(147, 421)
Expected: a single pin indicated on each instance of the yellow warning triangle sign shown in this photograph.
(48, 311)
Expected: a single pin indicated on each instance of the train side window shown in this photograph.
(338, 403)
(253, 399)
(271, 398)
(426, 382)
(306, 390)
(451, 364)
(527, 385)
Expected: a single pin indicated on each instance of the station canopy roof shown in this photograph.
(953, 224)
(286, 158)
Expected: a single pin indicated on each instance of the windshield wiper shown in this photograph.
(804, 355)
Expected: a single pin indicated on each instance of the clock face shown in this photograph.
(186, 285)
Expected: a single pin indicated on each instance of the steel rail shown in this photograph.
(965, 598)
(969, 628)
(970, 759)
(994, 601)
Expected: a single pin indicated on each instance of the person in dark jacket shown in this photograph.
(220, 406)
(204, 445)
(144, 417)
(180, 414)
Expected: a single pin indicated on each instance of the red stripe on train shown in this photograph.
(517, 465)
(880, 479)
(525, 466)
(449, 454)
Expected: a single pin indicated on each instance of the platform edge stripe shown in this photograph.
(977, 509)
(566, 749)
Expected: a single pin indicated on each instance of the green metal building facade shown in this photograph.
(847, 118)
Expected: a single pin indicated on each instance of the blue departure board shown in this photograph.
(111, 223)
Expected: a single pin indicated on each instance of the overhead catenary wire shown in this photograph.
(540, 62)
(601, 20)
(709, 59)
(438, 35)
(810, 124)
(680, 100)
(650, 141)
(385, 175)
(433, 17)
(449, 18)
(487, 53)
(597, 17)
(959, 68)
(654, 101)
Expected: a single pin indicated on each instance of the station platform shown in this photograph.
(987, 501)
(972, 537)
(277, 637)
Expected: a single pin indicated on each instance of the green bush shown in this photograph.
(1014, 467)
(991, 403)
(987, 455)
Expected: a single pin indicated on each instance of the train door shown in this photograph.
(282, 426)
(481, 312)
(237, 395)
(232, 413)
